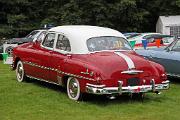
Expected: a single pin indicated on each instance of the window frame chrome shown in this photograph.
(62, 51)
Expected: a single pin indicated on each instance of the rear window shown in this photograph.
(107, 43)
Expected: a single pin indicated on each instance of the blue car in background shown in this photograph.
(169, 57)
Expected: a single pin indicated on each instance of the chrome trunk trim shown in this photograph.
(132, 71)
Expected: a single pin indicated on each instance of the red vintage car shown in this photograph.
(88, 59)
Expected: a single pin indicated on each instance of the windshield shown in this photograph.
(170, 46)
(32, 34)
(168, 39)
(107, 43)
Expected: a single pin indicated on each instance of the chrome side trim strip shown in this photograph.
(173, 75)
(56, 70)
(42, 80)
(97, 86)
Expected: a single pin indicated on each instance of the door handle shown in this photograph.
(69, 55)
(50, 51)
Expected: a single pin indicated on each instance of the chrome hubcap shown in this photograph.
(73, 88)
(9, 50)
(20, 71)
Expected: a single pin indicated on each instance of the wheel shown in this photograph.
(9, 50)
(20, 73)
(73, 89)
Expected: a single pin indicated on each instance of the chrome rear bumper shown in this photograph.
(101, 89)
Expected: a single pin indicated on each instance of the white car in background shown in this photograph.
(9, 44)
(34, 35)
(151, 39)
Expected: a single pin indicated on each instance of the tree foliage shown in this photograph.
(17, 17)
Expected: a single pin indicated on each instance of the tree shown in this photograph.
(18, 17)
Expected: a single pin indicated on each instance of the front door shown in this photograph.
(41, 58)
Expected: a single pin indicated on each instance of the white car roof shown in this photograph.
(79, 34)
(141, 35)
(150, 34)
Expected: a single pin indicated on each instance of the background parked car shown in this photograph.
(29, 38)
(36, 34)
(169, 57)
(131, 35)
(1, 48)
(151, 40)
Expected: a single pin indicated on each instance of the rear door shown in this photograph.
(59, 57)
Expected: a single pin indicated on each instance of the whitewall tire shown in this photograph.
(73, 89)
(20, 73)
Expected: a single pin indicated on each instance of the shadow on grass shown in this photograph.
(103, 100)
(174, 80)
(47, 85)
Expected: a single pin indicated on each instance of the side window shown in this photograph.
(151, 40)
(176, 46)
(49, 40)
(63, 43)
(147, 36)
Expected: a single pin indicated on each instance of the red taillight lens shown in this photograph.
(163, 76)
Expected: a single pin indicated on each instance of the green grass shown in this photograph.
(41, 101)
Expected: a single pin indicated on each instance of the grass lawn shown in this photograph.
(41, 101)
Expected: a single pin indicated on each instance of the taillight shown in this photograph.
(163, 76)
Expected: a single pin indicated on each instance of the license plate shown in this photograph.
(133, 81)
